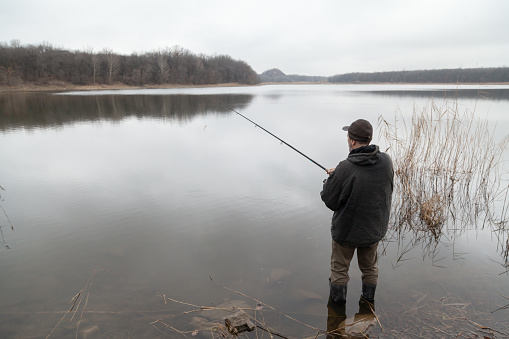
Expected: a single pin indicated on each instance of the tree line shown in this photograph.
(458, 75)
(44, 63)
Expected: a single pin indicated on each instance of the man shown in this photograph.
(359, 191)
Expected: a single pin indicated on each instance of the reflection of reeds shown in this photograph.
(2, 237)
(506, 251)
(74, 300)
(447, 171)
(445, 317)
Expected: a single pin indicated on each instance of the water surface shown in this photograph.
(159, 194)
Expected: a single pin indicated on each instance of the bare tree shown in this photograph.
(94, 61)
(113, 63)
(15, 43)
(162, 64)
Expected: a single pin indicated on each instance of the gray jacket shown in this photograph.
(359, 191)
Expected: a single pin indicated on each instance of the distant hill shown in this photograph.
(276, 75)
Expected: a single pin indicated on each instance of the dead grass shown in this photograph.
(433, 313)
(448, 172)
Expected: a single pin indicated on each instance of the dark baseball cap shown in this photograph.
(360, 130)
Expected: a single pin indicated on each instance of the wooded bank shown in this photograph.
(458, 75)
(44, 64)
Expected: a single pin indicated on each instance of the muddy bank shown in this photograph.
(63, 86)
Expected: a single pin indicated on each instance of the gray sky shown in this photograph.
(318, 37)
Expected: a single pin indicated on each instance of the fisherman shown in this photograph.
(359, 191)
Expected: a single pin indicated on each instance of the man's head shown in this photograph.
(360, 133)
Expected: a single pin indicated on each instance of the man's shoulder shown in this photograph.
(386, 157)
(343, 164)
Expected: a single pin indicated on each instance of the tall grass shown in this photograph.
(448, 172)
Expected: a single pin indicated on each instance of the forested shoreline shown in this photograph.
(45, 64)
(457, 75)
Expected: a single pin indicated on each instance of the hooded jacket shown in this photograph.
(359, 191)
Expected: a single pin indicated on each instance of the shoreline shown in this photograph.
(61, 86)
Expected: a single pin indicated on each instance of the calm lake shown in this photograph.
(145, 204)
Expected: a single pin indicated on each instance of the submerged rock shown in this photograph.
(308, 294)
(90, 332)
(277, 274)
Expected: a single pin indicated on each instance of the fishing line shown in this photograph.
(278, 138)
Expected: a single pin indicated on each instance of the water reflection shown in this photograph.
(162, 208)
(42, 110)
(452, 94)
(338, 326)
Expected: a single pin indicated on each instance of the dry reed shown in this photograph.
(431, 315)
(448, 172)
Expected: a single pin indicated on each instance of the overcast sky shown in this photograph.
(314, 37)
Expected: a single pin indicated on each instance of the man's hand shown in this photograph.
(329, 171)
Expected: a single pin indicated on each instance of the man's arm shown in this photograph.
(331, 191)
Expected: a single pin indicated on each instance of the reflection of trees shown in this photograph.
(488, 94)
(448, 177)
(39, 110)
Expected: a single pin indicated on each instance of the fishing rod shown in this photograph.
(284, 142)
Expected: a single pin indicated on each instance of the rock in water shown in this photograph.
(239, 323)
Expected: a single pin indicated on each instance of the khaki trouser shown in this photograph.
(341, 257)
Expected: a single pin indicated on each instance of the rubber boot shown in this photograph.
(368, 293)
(337, 292)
